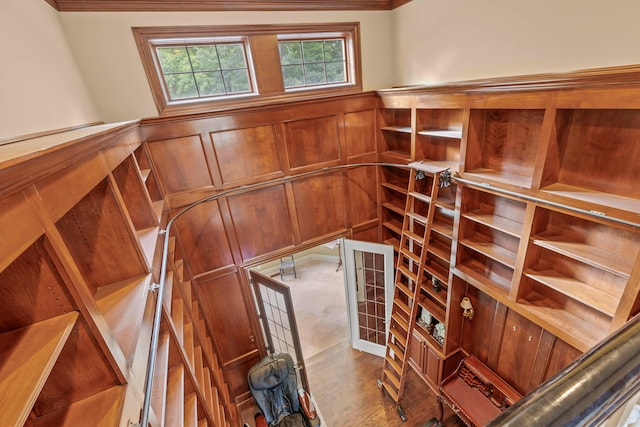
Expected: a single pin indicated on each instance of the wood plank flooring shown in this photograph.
(343, 382)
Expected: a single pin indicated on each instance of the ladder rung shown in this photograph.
(413, 236)
(395, 365)
(399, 337)
(391, 391)
(422, 197)
(410, 255)
(404, 307)
(391, 376)
(396, 350)
(417, 217)
(409, 274)
(401, 321)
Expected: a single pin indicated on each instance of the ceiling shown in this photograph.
(221, 5)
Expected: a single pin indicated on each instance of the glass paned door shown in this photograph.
(369, 281)
(273, 300)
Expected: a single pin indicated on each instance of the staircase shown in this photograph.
(424, 181)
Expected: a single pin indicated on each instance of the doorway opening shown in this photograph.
(318, 296)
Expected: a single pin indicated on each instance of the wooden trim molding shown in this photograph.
(626, 75)
(145, 35)
(220, 5)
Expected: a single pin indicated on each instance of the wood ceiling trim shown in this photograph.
(220, 5)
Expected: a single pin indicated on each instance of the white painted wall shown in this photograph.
(106, 52)
(41, 87)
(451, 40)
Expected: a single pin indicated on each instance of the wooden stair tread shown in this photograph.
(28, 356)
(413, 236)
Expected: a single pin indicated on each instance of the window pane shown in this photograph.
(237, 81)
(204, 58)
(333, 50)
(210, 83)
(290, 53)
(181, 85)
(231, 56)
(293, 75)
(336, 72)
(174, 59)
(312, 51)
(315, 74)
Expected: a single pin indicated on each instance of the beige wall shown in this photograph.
(41, 87)
(454, 40)
(108, 57)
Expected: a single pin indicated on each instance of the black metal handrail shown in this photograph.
(586, 392)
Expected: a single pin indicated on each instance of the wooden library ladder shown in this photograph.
(412, 255)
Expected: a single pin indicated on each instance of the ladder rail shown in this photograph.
(409, 277)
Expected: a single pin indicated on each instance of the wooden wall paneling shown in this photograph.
(478, 334)
(562, 354)
(320, 205)
(225, 306)
(362, 194)
(312, 143)
(261, 221)
(454, 320)
(181, 164)
(370, 234)
(543, 355)
(247, 155)
(518, 351)
(360, 134)
(202, 235)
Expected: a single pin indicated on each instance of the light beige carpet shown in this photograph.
(320, 305)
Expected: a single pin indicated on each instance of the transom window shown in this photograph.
(313, 62)
(206, 68)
